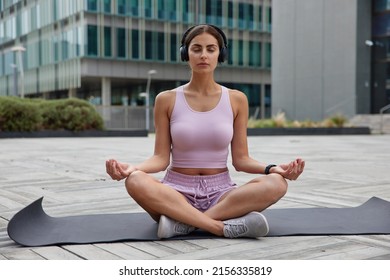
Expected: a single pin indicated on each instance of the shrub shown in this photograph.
(17, 115)
(279, 120)
(38, 114)
(70, 114)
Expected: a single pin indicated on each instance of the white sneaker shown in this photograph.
(253, 225)
(168, 228)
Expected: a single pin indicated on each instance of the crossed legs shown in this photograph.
(158, 199)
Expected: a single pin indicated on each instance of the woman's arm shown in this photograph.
(240, 155)
(160, 159)
(162, 145)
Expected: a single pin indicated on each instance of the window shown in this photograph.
(8, 61)
(45, 49)
(78, 31)
(135, 44)
(92, 40)
(254, 94)
(381, 24)
(2, 38)
(121, 42)
(268, 62)
(230, 14)
(214, 12)
(107, 41)
(254, 54)
(56, 47)
(33, 19)
(121, 6)
(269, 27)
(240, 52)
(92, 5)
(260, 17)
(132, 7)
(188, 16)
(174, 47)
(241, 15)
(250, 18)
(160, 46)
(148, 8)
(381, 5)
(230, 52)
(148, 45)
(268, 100)
(167, 9)
(107, 6)
(65, 46)
(1, 64)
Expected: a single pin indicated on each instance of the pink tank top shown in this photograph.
(201, 139)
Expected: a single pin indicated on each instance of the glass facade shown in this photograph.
(58, 34)
(380, 53)
(121, 45)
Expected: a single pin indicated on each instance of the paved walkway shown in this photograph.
(340, 171)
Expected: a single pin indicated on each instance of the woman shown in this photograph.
(196, 123)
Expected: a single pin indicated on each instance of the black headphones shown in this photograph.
(222, 52)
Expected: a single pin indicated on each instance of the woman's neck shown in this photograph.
(204, 84)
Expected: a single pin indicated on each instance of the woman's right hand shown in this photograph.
(117, 170)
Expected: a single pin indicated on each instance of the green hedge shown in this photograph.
(39, 114)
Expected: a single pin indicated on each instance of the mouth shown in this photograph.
(203, 64)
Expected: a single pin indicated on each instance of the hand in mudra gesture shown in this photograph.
(117, 170)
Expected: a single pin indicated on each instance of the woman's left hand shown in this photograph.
(290, 171)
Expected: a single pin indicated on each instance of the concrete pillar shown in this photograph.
(106, 99)
(106, 91)
(72, 93)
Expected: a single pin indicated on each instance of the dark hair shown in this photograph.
(196, 30)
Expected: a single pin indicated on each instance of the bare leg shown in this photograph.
(158, 199)
(256, 195)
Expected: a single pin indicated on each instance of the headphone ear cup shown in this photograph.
(184, 53)
(222, 54)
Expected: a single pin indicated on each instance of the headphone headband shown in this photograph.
(222, 52)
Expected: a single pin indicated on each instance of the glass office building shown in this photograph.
(380, 55)
(102, 50)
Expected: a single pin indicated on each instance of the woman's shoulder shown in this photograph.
(166, 96)
(236, 95)
(165, 100)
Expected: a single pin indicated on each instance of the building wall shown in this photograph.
(317, 70)
(73, 45)
(380, 51)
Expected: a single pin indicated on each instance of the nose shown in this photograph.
(203, 54)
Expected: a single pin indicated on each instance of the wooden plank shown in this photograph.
(91, 252)
(125, 251)
(156, 249)
(181, 246)
(55, 253)
(25, 254)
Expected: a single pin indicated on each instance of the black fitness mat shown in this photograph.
(33, 227)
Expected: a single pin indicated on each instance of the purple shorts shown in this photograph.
(202, 192)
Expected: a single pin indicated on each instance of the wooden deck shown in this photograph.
(70, 174)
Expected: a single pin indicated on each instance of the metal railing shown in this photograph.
(124, 117)
(120, 117)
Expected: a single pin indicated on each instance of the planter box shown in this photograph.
(67, 133)
(309, 131)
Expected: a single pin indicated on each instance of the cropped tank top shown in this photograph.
(201, 139)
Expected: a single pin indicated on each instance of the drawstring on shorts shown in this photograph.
(200, 191)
